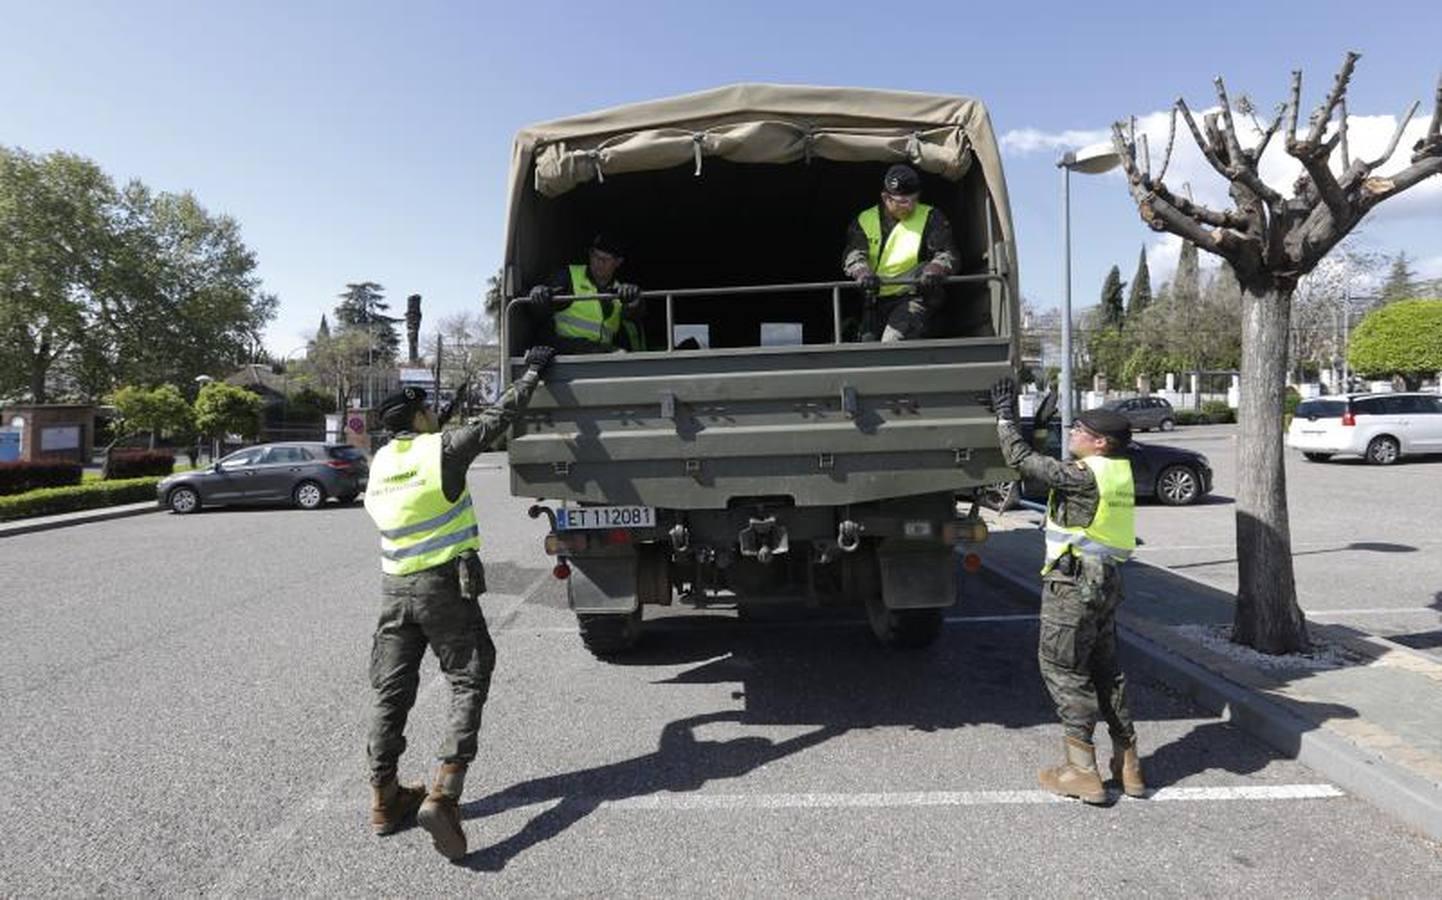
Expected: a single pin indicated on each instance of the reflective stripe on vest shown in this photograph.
(585, 319)
(1111, 535)
(901, 257)
(420, 529)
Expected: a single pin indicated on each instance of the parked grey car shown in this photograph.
(304, 474)
(1145, 413)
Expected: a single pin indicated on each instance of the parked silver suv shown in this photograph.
(1145, 413)
(305, 475)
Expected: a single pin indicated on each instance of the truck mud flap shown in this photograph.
(916, 575)
(602, 584)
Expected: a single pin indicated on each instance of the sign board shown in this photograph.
(9, 444)
(60, 437)
(414, 375)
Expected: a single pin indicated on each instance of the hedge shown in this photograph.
(140, 463)
(92, 495)
(1218, 412)
(19, 477)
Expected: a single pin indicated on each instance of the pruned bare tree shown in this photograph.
(1272, 240)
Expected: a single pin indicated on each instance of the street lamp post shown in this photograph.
(203, 380)
(1092, 160)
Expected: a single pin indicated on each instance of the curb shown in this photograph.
(104, 514)
(1389, 787)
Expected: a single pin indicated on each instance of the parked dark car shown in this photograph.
(1171, 475)
(303, 474)
(1145, 413)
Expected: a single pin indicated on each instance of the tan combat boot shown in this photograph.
(1127, 768)
(440, 815)
(1077, 777)
(394, 804)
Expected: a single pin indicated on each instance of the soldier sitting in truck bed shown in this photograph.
(900, 238)
(590, 326)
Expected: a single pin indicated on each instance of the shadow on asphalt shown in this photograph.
(1364, 546)
(833, 680)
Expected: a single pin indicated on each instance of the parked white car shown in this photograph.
(1380, 428)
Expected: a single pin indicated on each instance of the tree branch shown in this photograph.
(1171, 139)
(1294, 106)
(1234, 146)
(1161, 214)
(1339, 90)
(1396, 138)
(1267, 135)
(1375, 190)
(1342, 133)
(1207, 150)
(1435, 129)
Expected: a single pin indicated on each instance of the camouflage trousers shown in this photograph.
(427, 609)
(1078, 651)
(905, 320)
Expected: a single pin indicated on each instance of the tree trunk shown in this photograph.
(1268, 617)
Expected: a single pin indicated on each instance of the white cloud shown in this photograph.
(1025, 141)
(1367, 138)
(1429, 268)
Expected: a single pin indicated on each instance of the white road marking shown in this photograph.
(890, 800)
(1378, 611)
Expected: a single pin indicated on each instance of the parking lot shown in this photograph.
(1365, 538)
(185, 701)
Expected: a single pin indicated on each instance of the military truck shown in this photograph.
(777, 457)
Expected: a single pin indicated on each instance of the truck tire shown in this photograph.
(609, 634)
(904, 629)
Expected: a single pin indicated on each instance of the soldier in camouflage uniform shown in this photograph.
(1090, 533)
(900, 237)
(430, 589)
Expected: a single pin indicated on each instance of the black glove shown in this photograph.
(539, 358)
(628, 294)
(932, 280)
(1045, 410)
(540, 299)
(1003, 400)
(870, 283)
(449, 411)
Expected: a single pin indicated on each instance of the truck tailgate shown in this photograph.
(825, 425)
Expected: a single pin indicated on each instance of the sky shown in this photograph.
(371, 141)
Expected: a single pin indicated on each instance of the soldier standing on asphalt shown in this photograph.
(901, 237)
(431, 584)
(1090, 532)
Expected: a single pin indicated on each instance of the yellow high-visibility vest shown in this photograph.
(585, 319)
(420, 528)
(1111, 535)
(901, 256)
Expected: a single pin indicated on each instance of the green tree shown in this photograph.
(1140, 296)
(223, 409)
(183, 297)
(161, 411)
(1187, 283)
(1400, 279)
(363, 308)
(1112, 308)
(1402, 338)
(55, 235)
(337, 363)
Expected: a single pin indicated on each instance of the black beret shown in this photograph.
(409, 396)
(901, 179)
(610, 243)
(1108, 424)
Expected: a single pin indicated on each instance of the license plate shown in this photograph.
(581, 518)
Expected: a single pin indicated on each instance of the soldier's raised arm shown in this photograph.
(460, 446)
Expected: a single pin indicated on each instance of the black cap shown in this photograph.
(610, 243)
(1108, 424)
(902, 180)
(410, 397)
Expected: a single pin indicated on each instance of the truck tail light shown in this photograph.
(562, 571)
(965, 531)
(971, 563)
(566, 544)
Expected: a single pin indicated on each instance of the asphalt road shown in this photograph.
(1366, 547)
(184, 702)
